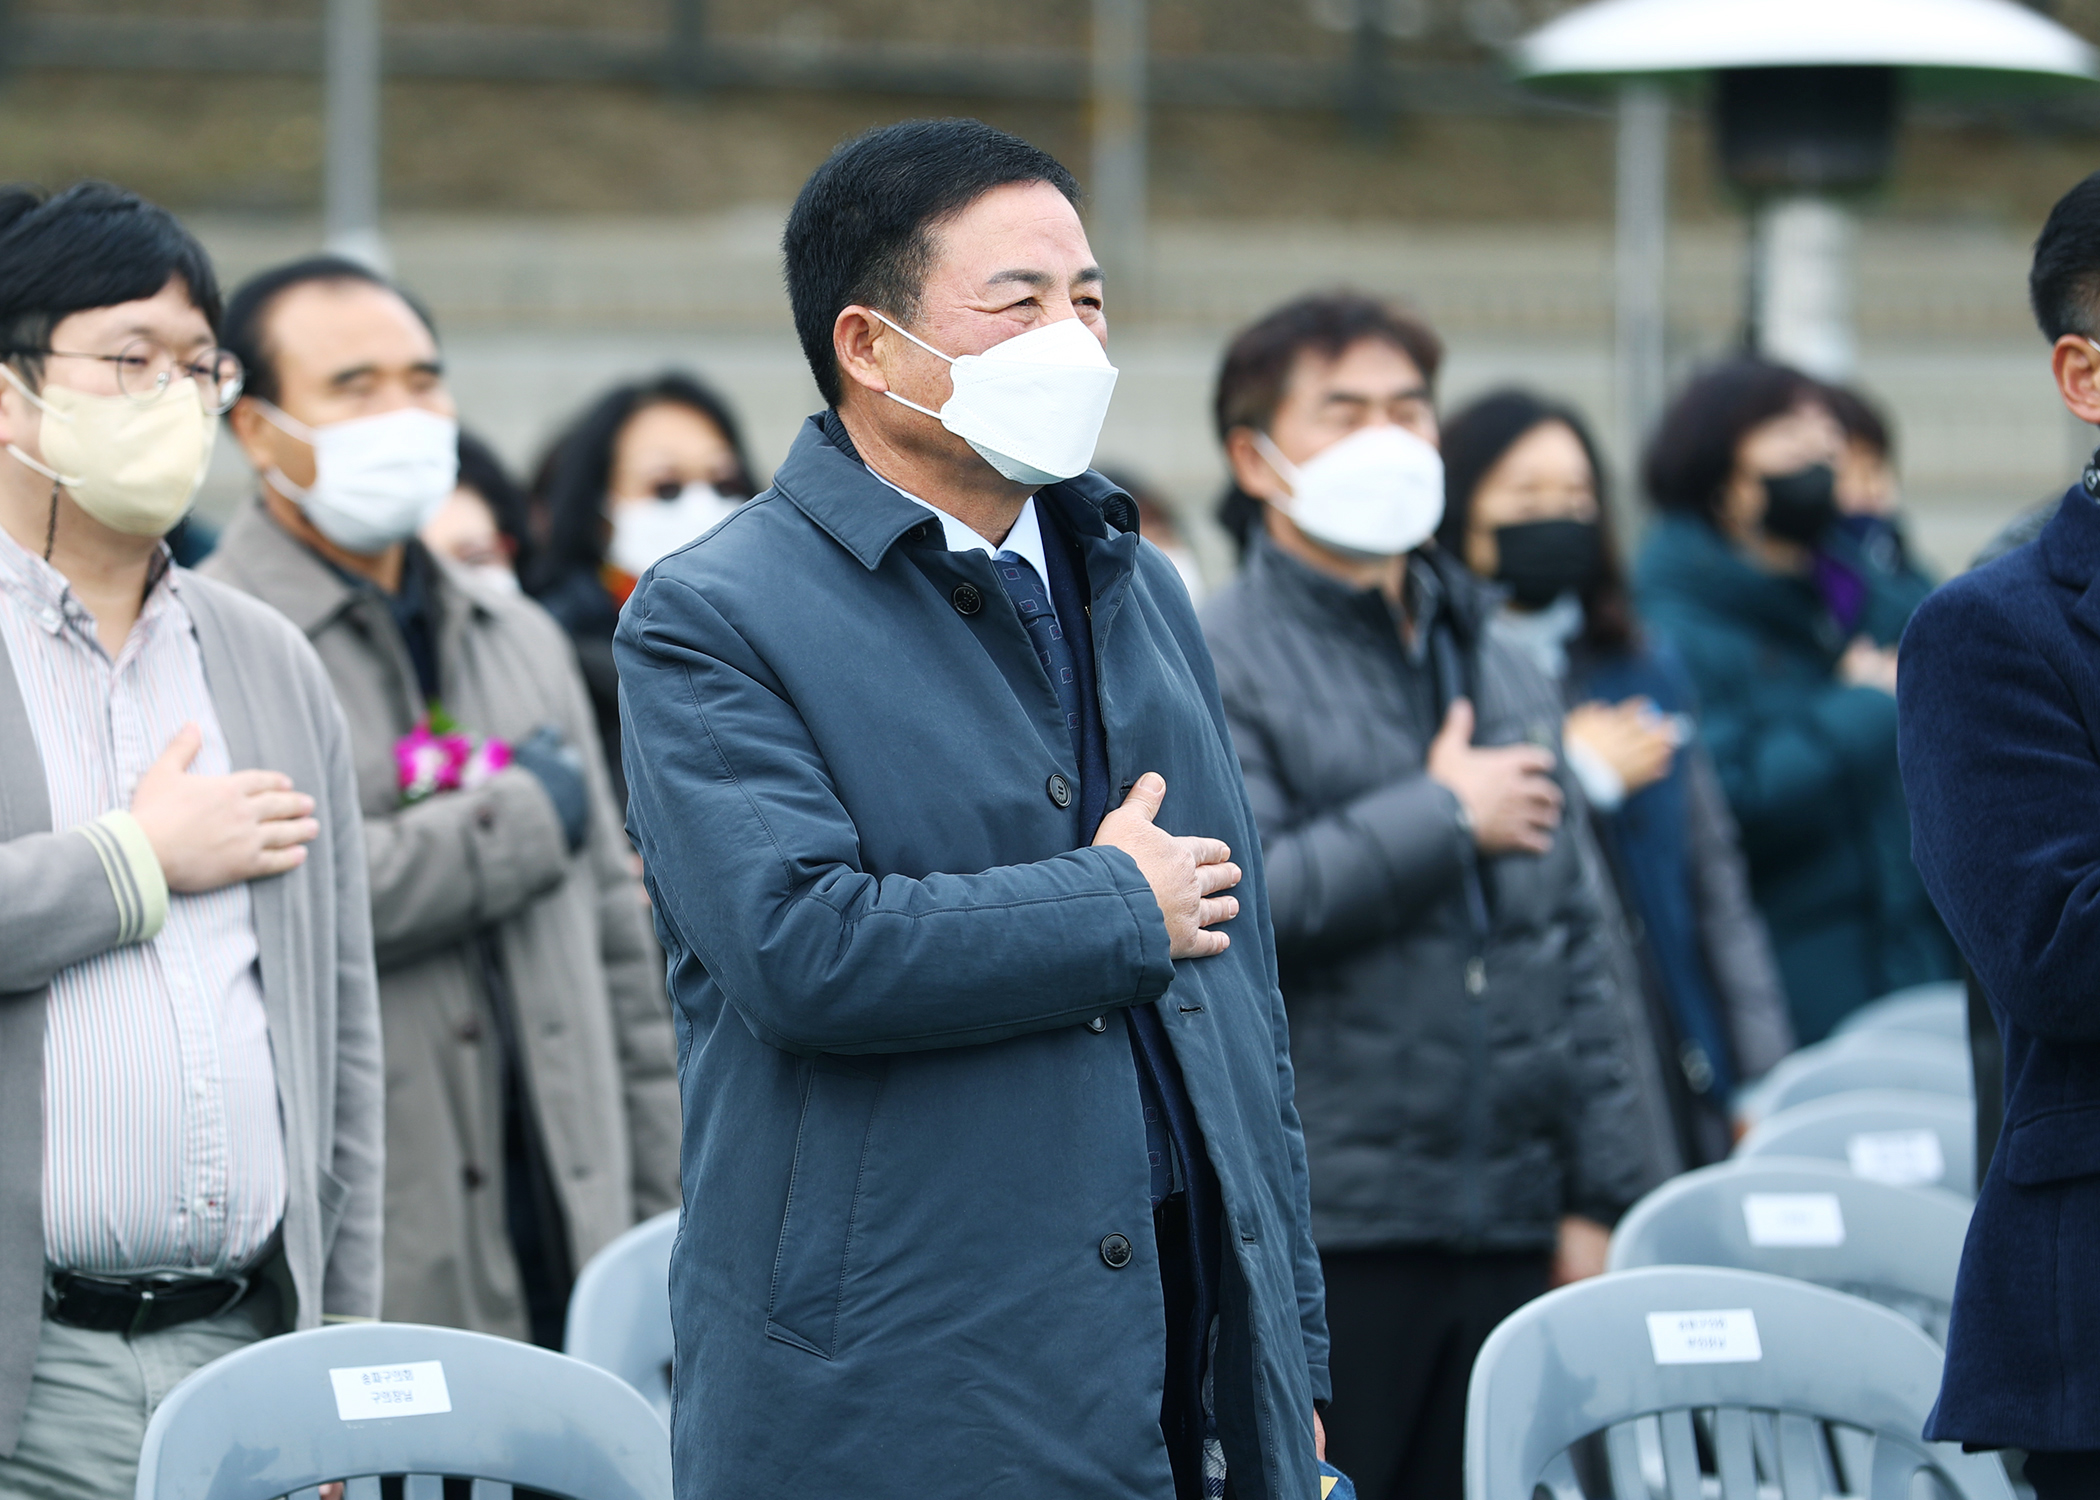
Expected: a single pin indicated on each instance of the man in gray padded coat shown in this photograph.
(1464, 1069)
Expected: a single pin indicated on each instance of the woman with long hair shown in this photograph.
(1526, 507)
(646, 468)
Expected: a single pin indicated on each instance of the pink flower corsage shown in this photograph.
(438, 756)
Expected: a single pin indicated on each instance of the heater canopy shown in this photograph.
(1941, 46)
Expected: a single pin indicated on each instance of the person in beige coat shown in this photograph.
(532, 1108)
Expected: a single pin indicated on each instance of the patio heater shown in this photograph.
(1805, 97)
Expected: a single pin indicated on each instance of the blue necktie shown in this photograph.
(1032, 602)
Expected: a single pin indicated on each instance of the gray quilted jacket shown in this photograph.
(1465, 1058)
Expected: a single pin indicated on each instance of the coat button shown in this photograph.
(1098, 1025)
(1115, 1252)
(471, 1175)
(966, 599)
(1060, 790)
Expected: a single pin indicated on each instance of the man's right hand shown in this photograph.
(212, 831)
(1185, 874)
(1508, 793)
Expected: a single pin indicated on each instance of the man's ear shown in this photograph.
(252, 430)
(2076, 365)
(1250, 471)
(17, 416)
(853, 337)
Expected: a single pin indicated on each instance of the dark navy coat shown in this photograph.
(2000, 694)
(911, 1110)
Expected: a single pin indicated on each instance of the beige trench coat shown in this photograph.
(594, 1027)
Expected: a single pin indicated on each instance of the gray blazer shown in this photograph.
(313, 929)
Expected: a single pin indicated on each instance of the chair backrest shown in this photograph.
(620, 1311)
(358, 1400)
(1863, 1060)
(1888, 1135)
(1689, 1381)
(1811, 1220)
(1940, 1010)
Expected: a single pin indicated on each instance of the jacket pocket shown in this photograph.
(334, 1196)
(2053, 1147)
(816, 1234)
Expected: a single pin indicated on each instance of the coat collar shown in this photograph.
(824, 476)
(284, 572)
(1688, 560)
(2070, 549)
(1439, 587)
(299, 584)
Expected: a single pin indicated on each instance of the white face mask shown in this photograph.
(494, 577)
(376, 479)
(132, 465)
(1032, 406)
(1379, 491)
(644, 531)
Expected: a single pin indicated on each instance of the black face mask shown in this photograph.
(1801, 506)
(1541, 560)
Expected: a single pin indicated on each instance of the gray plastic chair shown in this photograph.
(1891, 1135)
(1863, 1060)
(620, 1311)
(1940, 1010)
(1811, 1220)
(1799, 1393)
(285, 1415)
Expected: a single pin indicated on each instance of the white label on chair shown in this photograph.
(1793, 1220)
(1903, 1157)
(410, 1390)
(1725, 1336)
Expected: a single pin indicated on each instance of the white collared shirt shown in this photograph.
(1024, 541)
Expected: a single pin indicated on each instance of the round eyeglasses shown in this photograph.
(145, 369)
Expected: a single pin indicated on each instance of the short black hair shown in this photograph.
(248, 314)
(570, 486)
(2063, 286)
(861, 231)
(1258, 365)
(1693, 452)
(92, 245)
(1475, 440)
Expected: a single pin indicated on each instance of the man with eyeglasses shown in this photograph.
(189, 1031)
(531, 1098)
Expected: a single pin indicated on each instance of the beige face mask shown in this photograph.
(133, 465)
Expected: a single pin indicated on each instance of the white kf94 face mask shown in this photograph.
(1031, 406)
(1379, 491)
(376, 479)
(644, 531)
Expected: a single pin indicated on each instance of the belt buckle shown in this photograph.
(138, 1315)
(148, 1300)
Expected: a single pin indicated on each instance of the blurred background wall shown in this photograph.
(589, 189)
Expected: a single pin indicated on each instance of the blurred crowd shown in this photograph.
(1569, 836)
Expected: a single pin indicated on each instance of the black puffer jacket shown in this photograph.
(1463, 1065)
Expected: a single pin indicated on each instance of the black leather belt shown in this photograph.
(145, 1304)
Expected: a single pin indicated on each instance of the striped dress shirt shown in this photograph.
(163, 1145)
